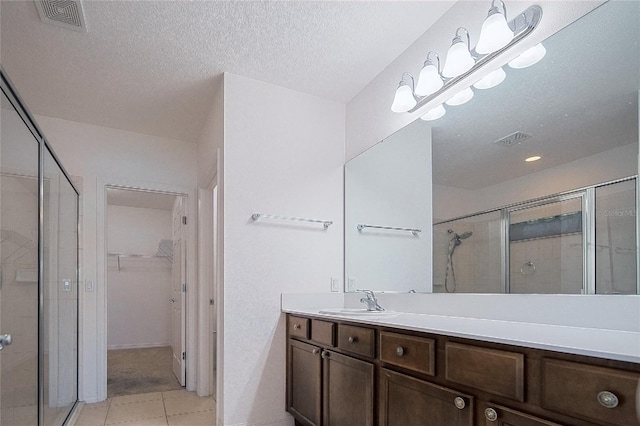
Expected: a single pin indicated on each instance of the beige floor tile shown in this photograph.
(104, 403)
(188, 404)
(193, 419)
(135, 411)
(176, 394)
(24, 421)
(92, 416)
(141, 397)
(156, 421)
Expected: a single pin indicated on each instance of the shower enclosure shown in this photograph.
(38, 274)
(582, 241)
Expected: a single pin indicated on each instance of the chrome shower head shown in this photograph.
(465, 235)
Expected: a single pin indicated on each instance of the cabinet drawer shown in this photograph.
(298, 327)
(496, 415)
(413, 353)
(323, 332)
(585, 391)
(357, 340)
(494, 371)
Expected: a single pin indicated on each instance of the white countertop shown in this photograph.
(596, 342)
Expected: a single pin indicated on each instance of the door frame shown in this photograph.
(101, 274)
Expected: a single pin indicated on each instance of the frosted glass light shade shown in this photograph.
(462, 97)
(491, 80)
(529, 57)
(404, 100)
(429, 80)
(495, 34)
(459, 60)
(434, 113)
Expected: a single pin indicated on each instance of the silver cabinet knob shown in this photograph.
(459, 402)
(352, 339)
(172, 300)
(491, 414)
(324, 355)
(608, 399)
(5, 340)
(400, 351)
(316, 351)
(296, 326)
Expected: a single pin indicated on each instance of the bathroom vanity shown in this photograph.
(344, 370)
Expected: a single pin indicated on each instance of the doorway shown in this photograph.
(146, 242)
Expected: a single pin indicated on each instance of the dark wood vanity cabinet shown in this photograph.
(325, 387)
(345, 374)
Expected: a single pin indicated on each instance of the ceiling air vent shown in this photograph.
(513, 139)
(64, 13)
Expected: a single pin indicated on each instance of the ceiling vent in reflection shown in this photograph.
(64, 13)
(513, 139)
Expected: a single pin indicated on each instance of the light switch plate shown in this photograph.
(335, 284)
(89, 285)
(66, 285)
(351, 284)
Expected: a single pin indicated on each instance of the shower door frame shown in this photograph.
(9, 90)
(588, 194)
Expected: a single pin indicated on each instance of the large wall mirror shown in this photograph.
(452, 206)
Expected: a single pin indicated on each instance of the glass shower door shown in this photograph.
(18, 269)
(546, 247)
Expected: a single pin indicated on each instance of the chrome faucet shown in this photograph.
(370, 301)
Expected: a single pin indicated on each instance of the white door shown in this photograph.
(178, 312)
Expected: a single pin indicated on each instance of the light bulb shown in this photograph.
(459, 60)
(495, 33)
(434, 113)
(404, 100)
(529, 57)
(462, 97)
(429, 80)
(491, 80)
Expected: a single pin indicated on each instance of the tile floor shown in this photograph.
(172, 408)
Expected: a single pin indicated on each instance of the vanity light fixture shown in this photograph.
(495, 33)
(491, 80)
(434, 113)
(462, 97)
(496, 38)
(532, 159)
(404, 100)
(529, 57)
(429, 80)
(459, 59)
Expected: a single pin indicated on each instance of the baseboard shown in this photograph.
(287, 421)
(138, 346)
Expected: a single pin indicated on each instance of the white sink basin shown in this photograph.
(357, 312)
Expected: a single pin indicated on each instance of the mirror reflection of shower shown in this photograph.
(454, 242)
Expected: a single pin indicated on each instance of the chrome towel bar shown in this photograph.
(413, 231)
(325, 223)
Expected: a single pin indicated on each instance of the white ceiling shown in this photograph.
(152, 66)
(580, 100)
(140, 199)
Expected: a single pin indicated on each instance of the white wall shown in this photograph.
(138, 292)
(96, 153)
(283, 155)
(389, 185)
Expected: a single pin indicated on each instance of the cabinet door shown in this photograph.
(496, 415)
(348, 391)
(304, 383)
(406, 401)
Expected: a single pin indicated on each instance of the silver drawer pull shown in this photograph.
(400, 351)
(352, 339)
(459, 402)
(608, 399)
(316, 351)
(296, 326)
(491, 414)
(5, 340)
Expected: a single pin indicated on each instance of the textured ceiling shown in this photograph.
(581, 99)
(152, 66)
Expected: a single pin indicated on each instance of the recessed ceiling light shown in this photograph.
(532, 159)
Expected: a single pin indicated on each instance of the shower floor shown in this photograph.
(144, 370)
